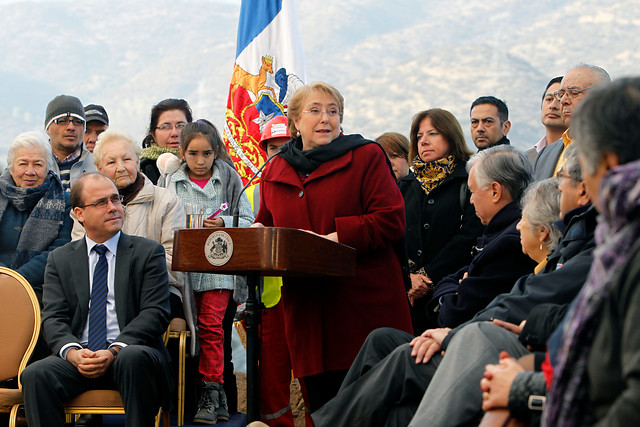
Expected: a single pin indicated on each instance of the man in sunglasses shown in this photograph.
(573, 88)
(65, 124)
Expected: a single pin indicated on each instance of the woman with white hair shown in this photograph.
(540, 210)
(149, 211)
(34, 209)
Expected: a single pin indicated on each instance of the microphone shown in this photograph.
(235, 210)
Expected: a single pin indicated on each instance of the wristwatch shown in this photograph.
(113, 351)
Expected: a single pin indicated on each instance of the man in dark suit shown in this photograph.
(106, 305)
(551, 118)
(573, 88)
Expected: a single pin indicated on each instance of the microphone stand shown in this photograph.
(252, 318)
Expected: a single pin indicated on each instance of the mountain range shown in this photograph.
(389, 60)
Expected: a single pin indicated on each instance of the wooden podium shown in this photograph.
(255, 252)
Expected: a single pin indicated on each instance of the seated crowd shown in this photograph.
(493, 288)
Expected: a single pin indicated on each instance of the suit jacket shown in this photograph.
(559, 281)
(441, 227)
(546, 161)
(494, 269)
(141, 293)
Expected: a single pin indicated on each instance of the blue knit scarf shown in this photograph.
(46, 204)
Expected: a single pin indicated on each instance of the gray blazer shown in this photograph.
(546, 161)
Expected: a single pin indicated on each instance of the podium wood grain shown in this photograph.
(271, 251)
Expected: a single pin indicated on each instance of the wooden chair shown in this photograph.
(107, 402)
(19, 308)
(104, 402)
(178, 329)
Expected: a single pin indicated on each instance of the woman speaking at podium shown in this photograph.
(342, 188)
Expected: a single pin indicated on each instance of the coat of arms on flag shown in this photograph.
(269, 67)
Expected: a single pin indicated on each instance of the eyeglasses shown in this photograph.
(115, 200)
(318, 113)
(571, 92)
(560, 174)
(167, 126)
(63, 121)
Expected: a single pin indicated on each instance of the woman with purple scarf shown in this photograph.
(597, 371)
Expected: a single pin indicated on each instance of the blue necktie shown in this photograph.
(98, 307)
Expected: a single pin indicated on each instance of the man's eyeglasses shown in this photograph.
(115, 200)
(560, 174)
(167, 126)
(571, 92)
(63, 121)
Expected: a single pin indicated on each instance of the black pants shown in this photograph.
(322, 387)
(138, 373)
(383, 387)
(230, 386)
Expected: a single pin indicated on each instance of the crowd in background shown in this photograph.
(495, 287)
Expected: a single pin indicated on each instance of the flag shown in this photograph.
(269, 67)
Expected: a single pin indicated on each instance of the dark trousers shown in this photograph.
(137, 373)
(383, 387)
(319, 389)
(230, 385)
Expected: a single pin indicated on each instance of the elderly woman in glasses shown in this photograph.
(34, 209)
(168, 118)
(342, 188)
(149, 211)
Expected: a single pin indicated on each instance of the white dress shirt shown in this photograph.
(113, 329)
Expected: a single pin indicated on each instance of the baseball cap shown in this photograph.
(96, 112)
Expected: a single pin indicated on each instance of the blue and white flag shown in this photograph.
(269, 67)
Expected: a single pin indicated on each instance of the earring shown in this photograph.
(540, 245)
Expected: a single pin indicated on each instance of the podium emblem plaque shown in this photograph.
(218, 248)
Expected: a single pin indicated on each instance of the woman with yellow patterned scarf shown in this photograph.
(442, 226)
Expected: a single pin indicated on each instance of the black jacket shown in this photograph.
(613, 363)
(498, 263)
(442, 227)
(541, 322)
(559, 282)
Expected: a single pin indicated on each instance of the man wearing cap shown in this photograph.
(65, 124)
(97, 122)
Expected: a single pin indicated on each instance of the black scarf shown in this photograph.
(307, 161)
(131, 191)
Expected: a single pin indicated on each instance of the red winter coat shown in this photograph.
(327, 319)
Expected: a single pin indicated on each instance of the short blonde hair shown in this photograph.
(296, 104)
(112, 135)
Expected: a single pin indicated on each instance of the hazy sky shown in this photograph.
(388, 61)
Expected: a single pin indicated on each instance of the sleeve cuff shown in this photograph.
(65, 349)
